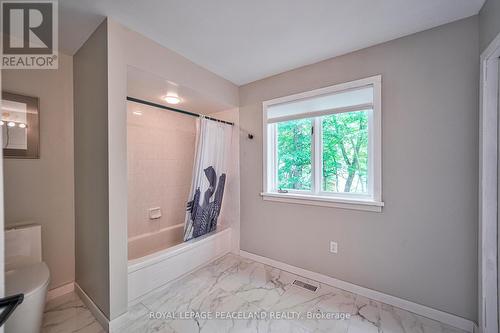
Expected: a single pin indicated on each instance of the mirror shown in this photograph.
(20, 126)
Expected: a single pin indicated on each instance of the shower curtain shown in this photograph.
(213, 145)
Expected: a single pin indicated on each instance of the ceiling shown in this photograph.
(152, 88)
(247, 40)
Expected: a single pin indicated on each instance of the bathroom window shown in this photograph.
(294, 154)
(323, 147)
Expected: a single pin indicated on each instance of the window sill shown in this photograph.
(305, 199)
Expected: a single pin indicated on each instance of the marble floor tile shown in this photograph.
(372, 316)
(146, 326)
(260, 284)
(137, 320)
(301, 300)
(218, 300)
(338, 304)
(366, 317)
(68, 314)
(180, 295)
(236, 285)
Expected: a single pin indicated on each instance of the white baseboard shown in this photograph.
(109, 326)
(59, 291)
(419, 309)
(94, 309)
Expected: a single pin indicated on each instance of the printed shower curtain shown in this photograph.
(209, 177)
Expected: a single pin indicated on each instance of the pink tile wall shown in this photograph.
(160, 153)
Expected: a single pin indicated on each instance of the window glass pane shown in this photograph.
(345, 152)
(294, 154)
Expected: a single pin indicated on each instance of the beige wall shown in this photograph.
(41, 190)
(160, 152)
(91, 169)
(423, 246)
(128, 48)
(117, 163)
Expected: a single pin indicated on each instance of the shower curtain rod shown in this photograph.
(140, 101)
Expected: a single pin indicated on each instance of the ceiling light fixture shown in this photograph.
(11, 124)
(22, 125)
(1, 123)
(137, 113)
(171, 99)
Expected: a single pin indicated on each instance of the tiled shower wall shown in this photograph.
(160, 153)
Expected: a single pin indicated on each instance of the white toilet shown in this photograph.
(25, 273)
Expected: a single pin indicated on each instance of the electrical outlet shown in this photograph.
(334, 247)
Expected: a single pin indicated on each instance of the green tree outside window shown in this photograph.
(345, 153)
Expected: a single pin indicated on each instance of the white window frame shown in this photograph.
(316, 197)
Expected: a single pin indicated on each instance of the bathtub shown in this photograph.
(146, 244)
(156, 259)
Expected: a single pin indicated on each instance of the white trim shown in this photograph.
(419, 309)
(326, 90)
(314, 197)
(93, 308)
(327, 112)
(375, 144)
(488, 189)
(324, 201)
(317, 155)
(59, 291)
(2, 216)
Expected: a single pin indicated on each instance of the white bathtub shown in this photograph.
(146, 244)
(156, 269)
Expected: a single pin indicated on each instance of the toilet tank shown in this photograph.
(23, 245)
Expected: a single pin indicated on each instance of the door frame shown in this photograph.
(488, 188)
(2, 214)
